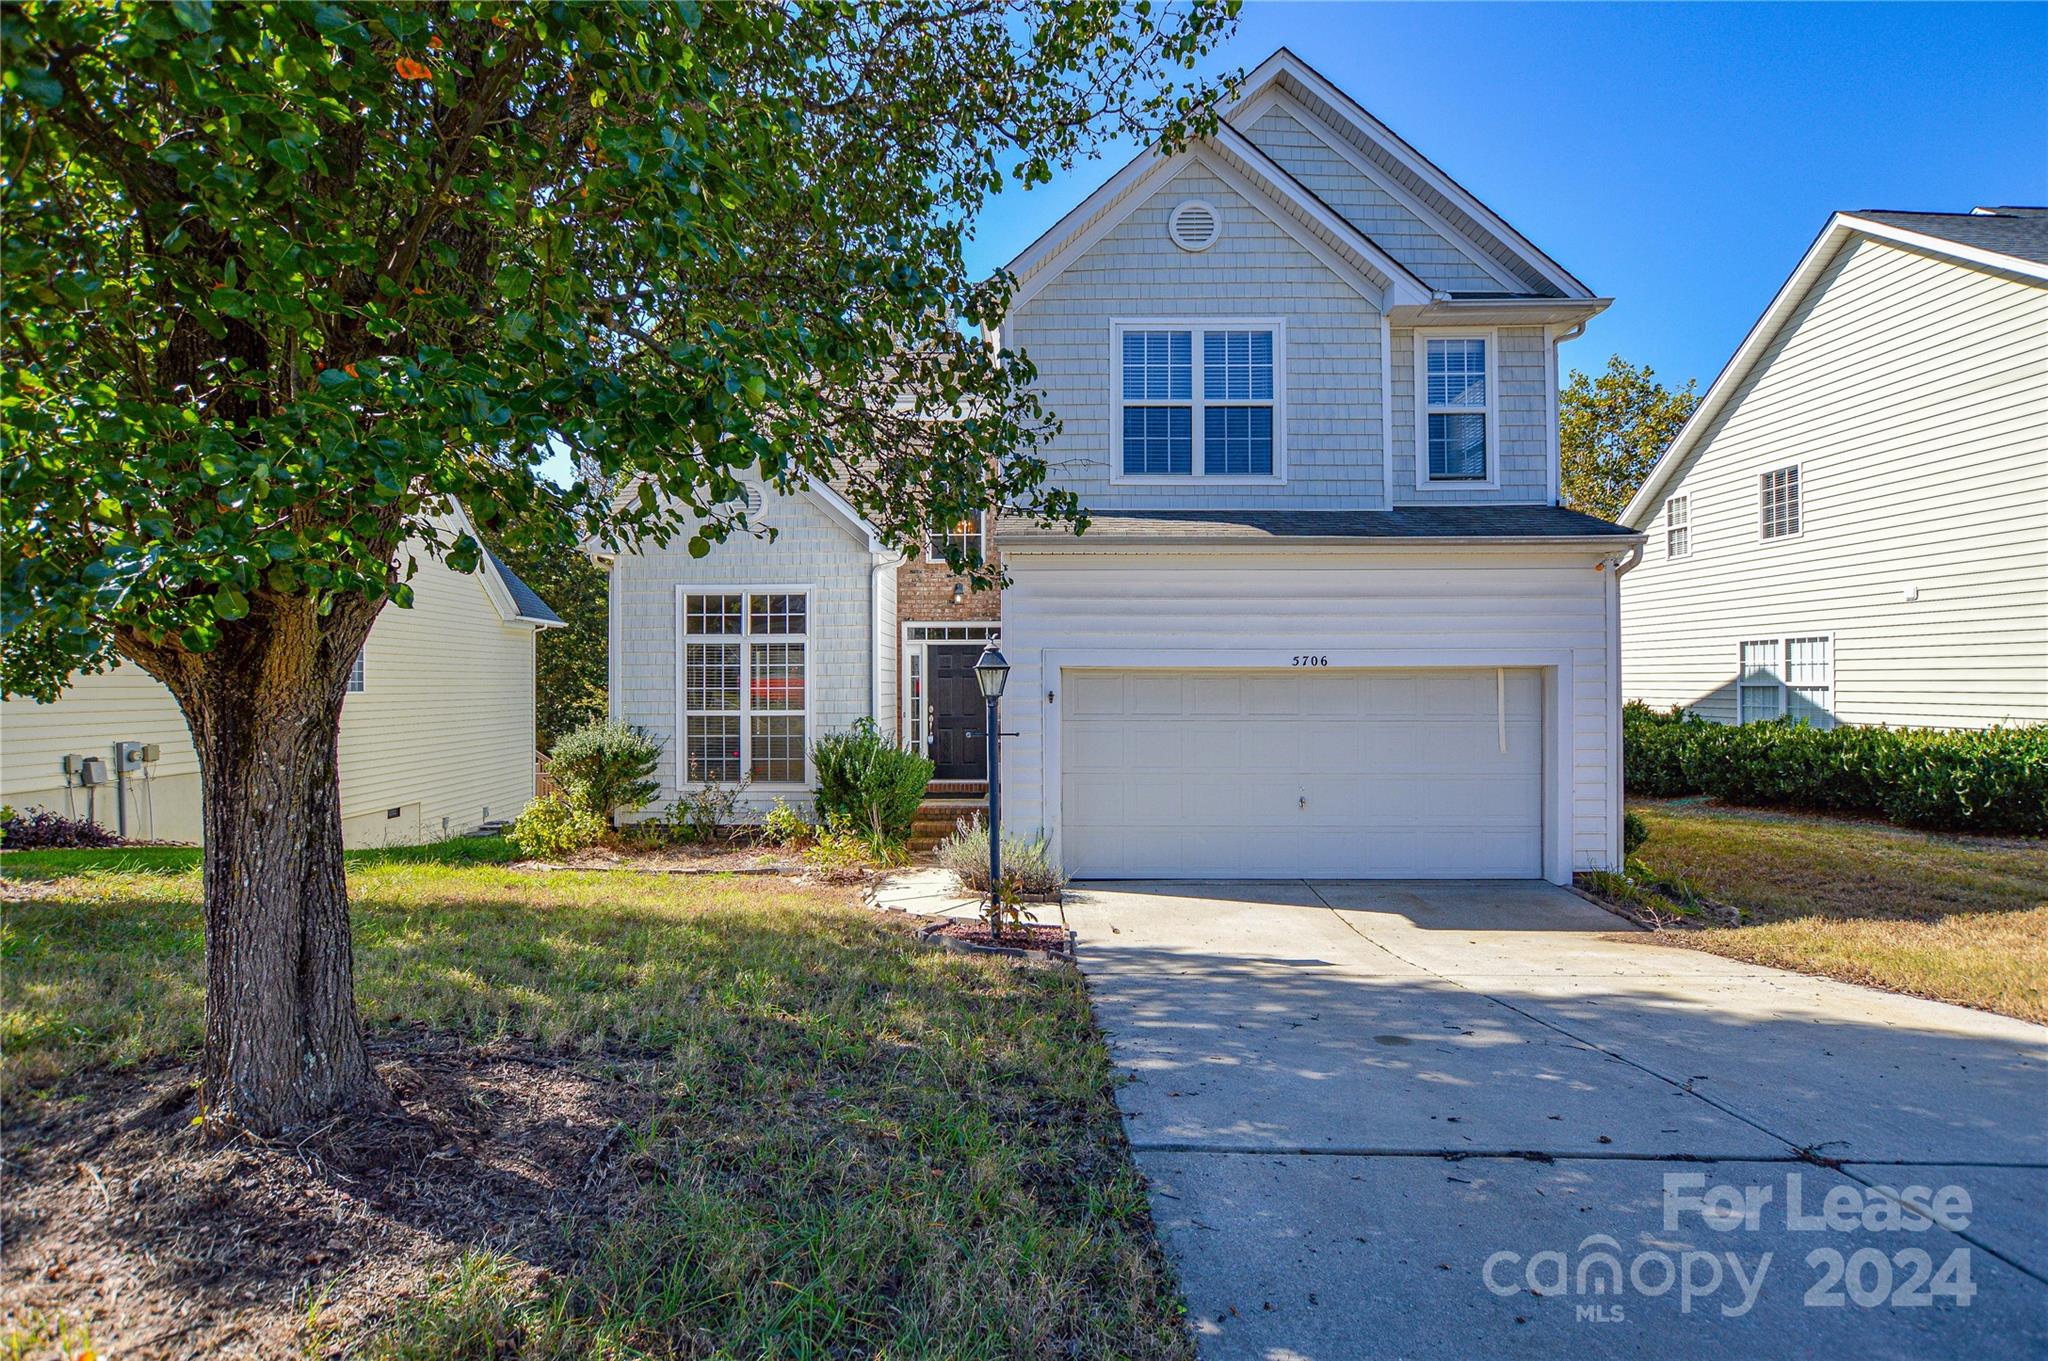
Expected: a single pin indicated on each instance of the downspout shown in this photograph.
(875, 639)
(1621, 564)
(1557, 340)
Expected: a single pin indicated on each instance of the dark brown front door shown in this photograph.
(959, 738)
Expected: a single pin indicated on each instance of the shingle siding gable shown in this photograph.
(1425, 250)
(1255, 269)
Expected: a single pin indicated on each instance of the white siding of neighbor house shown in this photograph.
(443, 730)
(1332, 372)
(1360, 609)
(1913, 393)
(1396, 229)
(813, 549)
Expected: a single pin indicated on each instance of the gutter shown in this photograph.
(1617, 567)
(1151, 543)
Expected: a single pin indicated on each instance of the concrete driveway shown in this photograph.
(1405, 1120)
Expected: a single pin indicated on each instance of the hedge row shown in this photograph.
(1990, 781)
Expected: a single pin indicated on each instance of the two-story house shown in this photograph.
(1853, 526)
(1329, 618)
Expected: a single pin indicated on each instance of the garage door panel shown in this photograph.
(1334, 773)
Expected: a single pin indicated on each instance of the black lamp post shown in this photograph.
(992, 673)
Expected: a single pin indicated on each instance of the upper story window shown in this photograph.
(1457, 411)
(356, 674)
(1778, 503)
(1678, 527)
(968, 536)
(1198, 400)
(744, 686)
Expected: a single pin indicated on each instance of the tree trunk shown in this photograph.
(284, 1044)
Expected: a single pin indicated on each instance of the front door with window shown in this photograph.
(959, 739)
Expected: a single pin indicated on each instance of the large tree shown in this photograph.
(1611, 430)
(283, 280)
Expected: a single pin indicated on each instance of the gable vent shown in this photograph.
(1194, 225)
(754, 502)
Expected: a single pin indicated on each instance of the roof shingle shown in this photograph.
(2019, 232)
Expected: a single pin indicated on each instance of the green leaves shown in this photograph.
(278, 301)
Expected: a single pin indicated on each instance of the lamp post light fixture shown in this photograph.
(992, 673)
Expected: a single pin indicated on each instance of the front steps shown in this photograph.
(941, 812)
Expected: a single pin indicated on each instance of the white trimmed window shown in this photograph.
(1457, 410)
(1678, 527)
(745, 672)
(1198, 400)
(969, 536)
(356, 674)
(1787, 678)
(1778, 503)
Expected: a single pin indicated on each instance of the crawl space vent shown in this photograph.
(1194, 225)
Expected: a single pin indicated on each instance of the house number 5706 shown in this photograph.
(1311, 659)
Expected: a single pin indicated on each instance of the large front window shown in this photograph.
(1198, 400)
(1457, 409)
(744, 685)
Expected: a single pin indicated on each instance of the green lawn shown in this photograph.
(863, 1148)
(1961, 919)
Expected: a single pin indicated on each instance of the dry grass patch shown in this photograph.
(1957, 918)
(852, 1145)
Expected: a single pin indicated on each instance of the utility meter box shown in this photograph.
(92, 770)
(131, 755)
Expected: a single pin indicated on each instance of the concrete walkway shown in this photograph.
(1419, 1120)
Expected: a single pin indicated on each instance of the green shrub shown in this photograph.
(870, 782)
(551, 827)
(1028, 866)
(1634, 832)
(785, 826)
(606, 768)
(842, 848)
(1654, 744)
(701, 814)
(1993, 781)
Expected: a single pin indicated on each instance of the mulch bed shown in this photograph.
(678, 860)
(1035, 936)
(118, 1211)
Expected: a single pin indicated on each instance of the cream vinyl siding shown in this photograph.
(1362, 610)
(814, 551)
(443, 730)
(1331, 360)
(1912, 392)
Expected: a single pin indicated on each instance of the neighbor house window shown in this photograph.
(1198, 401)
(1457, 409)
(1778, 503)
(965, 536)
(1678, 527)
(1787, 678)
(745, 670)
(355, 674)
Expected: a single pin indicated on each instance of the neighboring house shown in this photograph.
(1329, 618)
(437, 731)
(1853, 526)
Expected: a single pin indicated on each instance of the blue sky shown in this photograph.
(1678, 158)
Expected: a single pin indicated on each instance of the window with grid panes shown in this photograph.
(745, 679)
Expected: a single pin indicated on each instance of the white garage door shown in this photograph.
(1255, 774)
